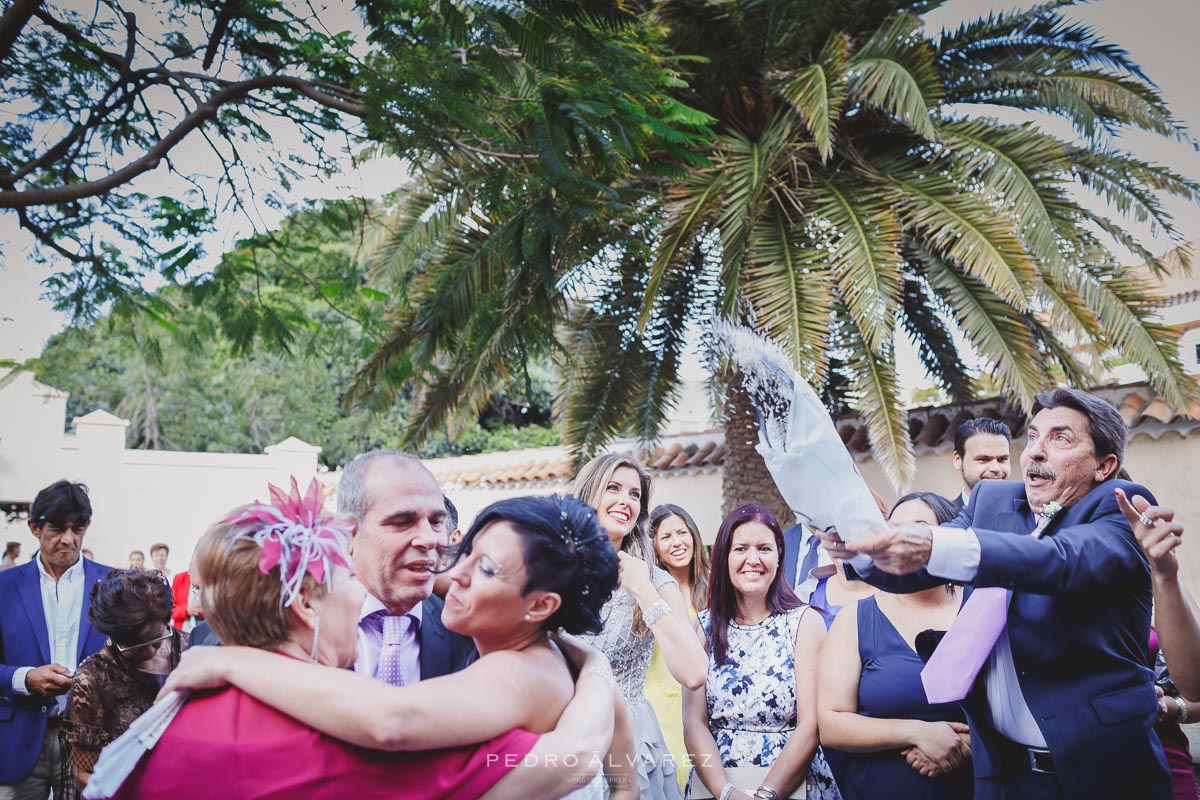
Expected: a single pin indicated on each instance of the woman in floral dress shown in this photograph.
(647, 608)
(758, 705)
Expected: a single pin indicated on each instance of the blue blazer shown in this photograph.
(25, 642)
(442, 651)
(1079, 625)
(791, 552)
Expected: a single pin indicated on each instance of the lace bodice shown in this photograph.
(628, 651)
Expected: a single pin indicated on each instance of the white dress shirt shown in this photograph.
(807, 584)
(62, 606)
(955, 556)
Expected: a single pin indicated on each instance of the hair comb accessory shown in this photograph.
(296, 534)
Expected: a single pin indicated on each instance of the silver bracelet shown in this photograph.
(603, 673)
(656, 612)
(727, 791)
(1183, 709)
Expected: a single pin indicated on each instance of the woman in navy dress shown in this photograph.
(871, 704)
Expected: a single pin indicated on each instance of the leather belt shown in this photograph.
(1034, 759)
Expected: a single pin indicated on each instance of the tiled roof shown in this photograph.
(683, 454)
(932, 429)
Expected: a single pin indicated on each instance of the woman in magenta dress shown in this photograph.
(276, 581)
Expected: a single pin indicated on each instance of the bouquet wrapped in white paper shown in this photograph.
(798, 441)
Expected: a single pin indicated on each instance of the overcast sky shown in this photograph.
(1159, 34)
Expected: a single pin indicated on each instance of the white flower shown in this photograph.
(1050, 509)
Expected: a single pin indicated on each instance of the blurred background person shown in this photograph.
(680, 551)
(442, 582)
(137, 559)
(158, 559)
(982, 447)
(646, 610)
(12, 551)
(757, 711)
(187, 613)
(114, 686)
(890, 742)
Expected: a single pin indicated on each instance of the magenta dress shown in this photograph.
(1175, 746)
(227, 744)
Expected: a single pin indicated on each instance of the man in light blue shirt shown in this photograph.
(44, 634)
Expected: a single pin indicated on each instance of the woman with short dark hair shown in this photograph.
(113, 687)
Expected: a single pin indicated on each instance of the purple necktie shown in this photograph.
(397, 632)
(951, 670)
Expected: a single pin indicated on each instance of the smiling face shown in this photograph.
(620, 504)
(484, 600)
(985, 458)
(673, 543)
(397, 544)
(753, 559)
(338, 610)
(1059, 462)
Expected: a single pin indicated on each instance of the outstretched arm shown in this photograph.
(440, 712)
(1176, 616)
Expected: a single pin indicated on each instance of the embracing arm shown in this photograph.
(440, 712)
(787, 773)
(568, 756)
(843, 728)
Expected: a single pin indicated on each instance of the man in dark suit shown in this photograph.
(44, 635)
(401, 533)
(802, 554)
(1059, 697)
(981, 453)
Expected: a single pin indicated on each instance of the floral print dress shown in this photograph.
(752, 698)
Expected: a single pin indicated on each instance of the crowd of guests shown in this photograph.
(590, 645)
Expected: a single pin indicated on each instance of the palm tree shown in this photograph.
(860, 179)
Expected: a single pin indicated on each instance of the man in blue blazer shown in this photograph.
(44, 635)
(1062, 704)
(398, 545)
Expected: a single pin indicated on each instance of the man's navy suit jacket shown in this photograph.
(24, 642)
(1079, 626)
(442, 651)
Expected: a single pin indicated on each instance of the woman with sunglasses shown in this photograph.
(113, 687)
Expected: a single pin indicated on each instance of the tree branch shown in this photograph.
(202, 114)
(13, 22)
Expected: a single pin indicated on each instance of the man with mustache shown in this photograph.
(44, 634)
(1049, 651)
(401, 533)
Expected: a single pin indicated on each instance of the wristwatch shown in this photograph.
(765, 793)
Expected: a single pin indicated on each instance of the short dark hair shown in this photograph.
(1105, 424)
(61, 502)
(942, 508)
(722, 597)
(974, 427)
(12, 547)
(451, 516)
(564, 552)
(127, 601)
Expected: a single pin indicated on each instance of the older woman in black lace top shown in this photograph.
(116, 685)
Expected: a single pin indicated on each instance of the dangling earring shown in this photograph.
(312, 656)
(528, 618)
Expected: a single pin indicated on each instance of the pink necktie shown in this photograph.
(391, 654)
(951, 670)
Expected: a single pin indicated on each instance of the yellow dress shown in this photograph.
(666, 698)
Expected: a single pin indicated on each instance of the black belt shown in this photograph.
(1017, 756)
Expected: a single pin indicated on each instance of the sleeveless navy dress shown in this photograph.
(890, 688)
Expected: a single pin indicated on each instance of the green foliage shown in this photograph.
(193, 384)
(849, 182)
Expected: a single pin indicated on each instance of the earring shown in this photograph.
(528, 618)
(312, 656)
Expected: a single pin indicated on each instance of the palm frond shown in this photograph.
(874, 388)
(818, 91)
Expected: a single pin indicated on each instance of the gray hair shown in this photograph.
(1105, 423)
(352, 496)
